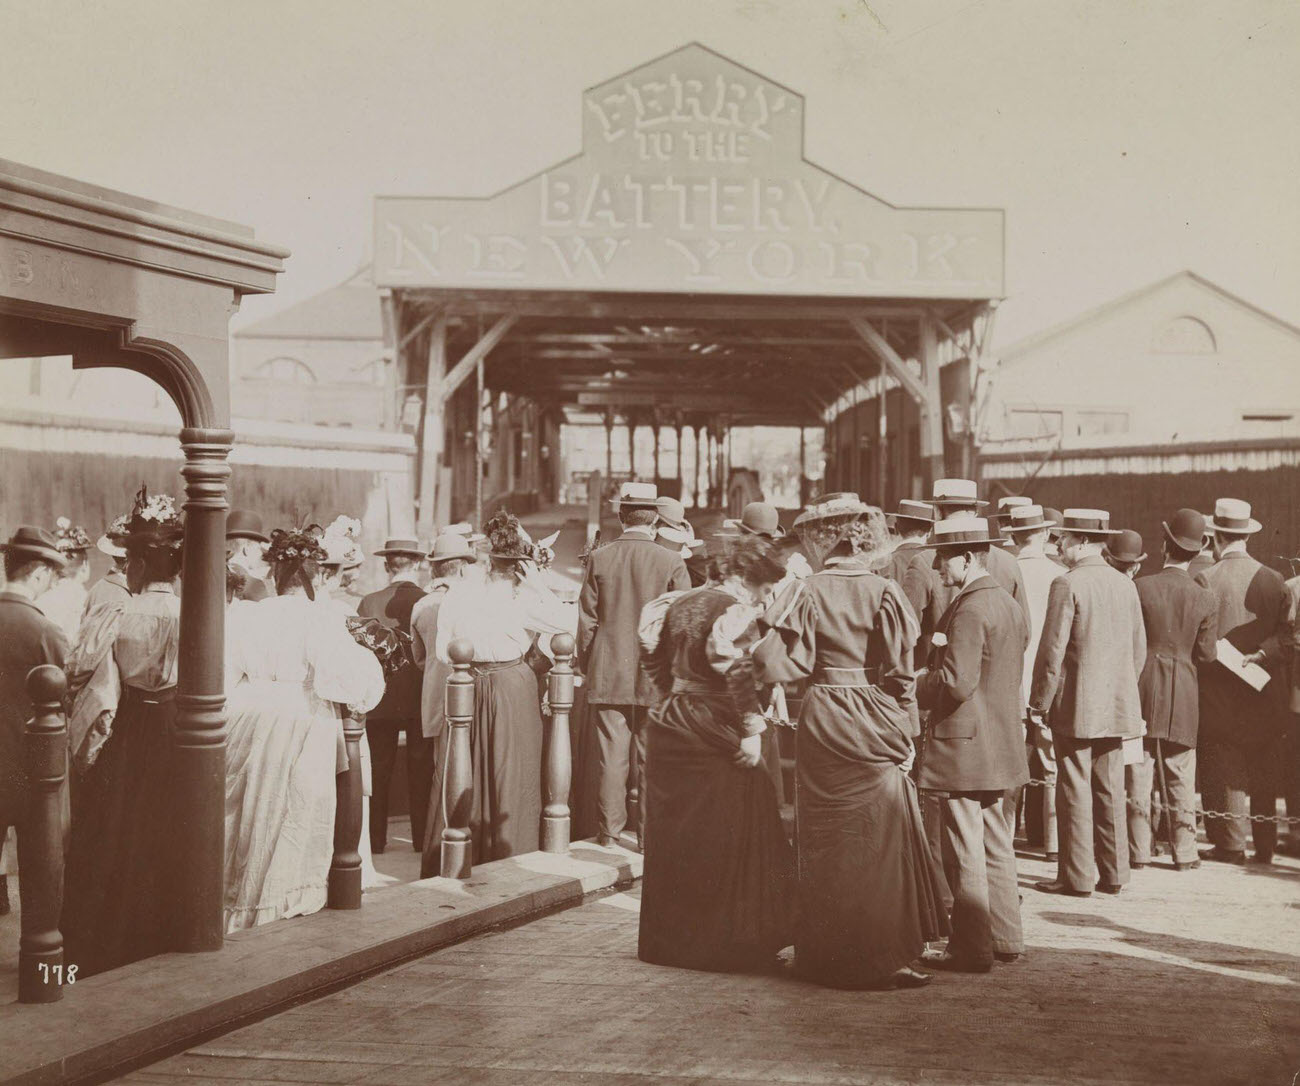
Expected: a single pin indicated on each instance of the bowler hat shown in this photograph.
(408, 548)
(1186, 530)
(244, 524)
(673, 513)
(913, 511)
(636, 495)
(1232, 517)
(1087, 522)
(451, 546)
(958, 532)
(35, 543)
(1125, 546)
(758, 518)
(954, 492)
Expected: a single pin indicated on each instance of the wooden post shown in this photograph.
(681, 464)
(932, 409)
(631, 445)
(559, 756)
(655, 428)
(344, 890)
(609, 444)
(882, 444)
(701, 469)
(803, 465)
(478, 446)
(45, 754)
(458, 780)
(200, 735)
(432, 434)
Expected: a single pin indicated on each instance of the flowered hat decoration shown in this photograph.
(153, 521)
(507, 539)
(341, 543)
(71, 538)
(294, 554)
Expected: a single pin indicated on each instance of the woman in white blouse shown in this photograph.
(501, 617)
(289, 662)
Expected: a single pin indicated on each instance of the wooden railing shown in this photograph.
(41, 973)
(558, 774)
(458, 778)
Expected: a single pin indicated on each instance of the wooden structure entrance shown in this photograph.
(114, 280)
(688, 268)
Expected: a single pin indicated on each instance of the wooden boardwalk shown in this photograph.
(1184, 978)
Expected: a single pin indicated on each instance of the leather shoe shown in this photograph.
(1057, 887)
(1006, 957)
(1190, 865)
(910, 978)
(952, 963)
(1261, 858)
(1109, 887)
(1224, 855)
(1136, 866)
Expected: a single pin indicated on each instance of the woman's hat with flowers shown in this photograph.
(153, 521)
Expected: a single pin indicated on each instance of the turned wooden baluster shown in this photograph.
(41, 974)
(559, 755)
(345, 869)
(458, 779)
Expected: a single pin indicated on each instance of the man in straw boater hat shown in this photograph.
(32, 561)
(620, 579)
(1006, 504)
(957, 498)
(1029, 528)
(1241, 726)
(911, 567)
(399, 710)
(975, 750)
(1181, 617)
(1085, 688)
(246, 545)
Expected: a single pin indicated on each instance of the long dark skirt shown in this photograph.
(718, 887)
(117, 892)
(869, 891)
(505, 739)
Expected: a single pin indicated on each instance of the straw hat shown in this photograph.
(839, 504)
(1232, 517)
(913, 512)
(634, 495)
(451, 546)
(1026, 518)
(958, 532)
(408, 548)
(955, 492)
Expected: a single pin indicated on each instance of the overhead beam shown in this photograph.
(458, 373)
(891, 358)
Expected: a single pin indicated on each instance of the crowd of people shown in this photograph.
(956, 670)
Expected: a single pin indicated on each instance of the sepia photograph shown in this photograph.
(732, 542)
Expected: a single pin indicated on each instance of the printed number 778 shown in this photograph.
(58, 972)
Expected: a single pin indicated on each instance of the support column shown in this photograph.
(701, 468)
(655, 427)
(199, 808)
(432, 437)
(609, 445)
(803, 466)
(631, 445)
(681, 463)
(932, 409)
(478, 445)
(882, 443)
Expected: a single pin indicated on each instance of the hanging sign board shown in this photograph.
(691, 178)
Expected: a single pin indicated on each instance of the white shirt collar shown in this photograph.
(410, 576)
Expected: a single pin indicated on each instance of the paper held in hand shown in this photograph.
(1231, 658)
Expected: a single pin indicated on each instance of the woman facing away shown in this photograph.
(501, 617)
(868, 889)
(120, 732)
(718, 889)
(290, 664)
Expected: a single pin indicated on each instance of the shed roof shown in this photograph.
(349, 310)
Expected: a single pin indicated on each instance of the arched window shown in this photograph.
(1184, 335)
(285, 370)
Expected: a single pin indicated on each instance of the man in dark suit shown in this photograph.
(621, 578)
(1085, 688)
(28, 639)
(975, 749)
(911, 567)
(399, 709)
(245, 549)
(956, 498)
(1241, 728)
(1180, 618)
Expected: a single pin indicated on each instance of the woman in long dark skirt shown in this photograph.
(117, 893)
(501, 617)
(868, 884)
(717, 891)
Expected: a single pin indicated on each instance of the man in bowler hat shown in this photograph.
(245, 548)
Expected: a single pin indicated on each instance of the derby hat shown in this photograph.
(1026, 518)
(35, 543)
(959, 532)
(673, 513)
(244, 524)
(408, 548)
(1232, 517)
(1009, 502)
(1186, 530)
(1125, 547)
(450, 547)
(955, 492)
(1087, 522)
(912, 511)
(758, 518)
(634, 495)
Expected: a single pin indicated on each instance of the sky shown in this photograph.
(1125, 140)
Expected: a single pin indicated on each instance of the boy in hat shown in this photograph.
(28, 639)
(1180, 617)
(975, 752)
(956, 498)
(246, 545)
(399, 710)
(1240, 726)
(620, 579)
(1085, 688)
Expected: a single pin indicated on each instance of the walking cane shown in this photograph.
(1169, 811)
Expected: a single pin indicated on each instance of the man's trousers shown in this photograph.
(1240, 776)
(979, 862)
(421, 761)
(1179, 806)
(620, 768)
(1042, 762)
(1090, 811)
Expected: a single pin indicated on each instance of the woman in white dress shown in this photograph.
(290, 662)
(501, 617)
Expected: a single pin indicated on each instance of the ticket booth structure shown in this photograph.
(115, 280)
(688, 268)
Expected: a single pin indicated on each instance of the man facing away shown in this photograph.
(1180, 617)
(1241, 727)
(399, 709)
(245, 550)
(110, 589)
(1085, 688)
(1029, 528)
(620, 579)
(956, 498)
(28, 639)
(911, 567)
(975, 749)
